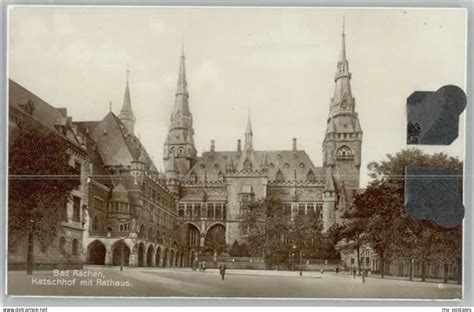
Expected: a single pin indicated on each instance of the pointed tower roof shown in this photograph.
(126, 113)
(182, 82)
(248, 144)
(330, 185)
(249, 126)
(127, 103)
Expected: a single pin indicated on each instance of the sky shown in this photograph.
(277, 64)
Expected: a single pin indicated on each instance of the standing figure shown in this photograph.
(222, 269)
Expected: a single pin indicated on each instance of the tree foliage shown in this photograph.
(40, 183)
(380, 214)
(273, 235)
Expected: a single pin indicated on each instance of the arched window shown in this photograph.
(62, 245)
(75, 247)
(142, 229)
(344, 152)
(193, 176)
(180, 151)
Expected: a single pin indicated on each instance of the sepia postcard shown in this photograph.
(236, 152)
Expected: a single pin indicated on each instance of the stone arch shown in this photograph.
(214, 240)
(119, 248)
(96, 252)
(193, 234)
(141, 251)
(150, 253)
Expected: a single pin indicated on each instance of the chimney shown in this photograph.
(294, 144)
(239, 148)
(213, 147)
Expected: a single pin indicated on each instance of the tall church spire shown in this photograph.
(180, 141)
(248, 134)
(126, 113)
(342, 100)
(342, 143)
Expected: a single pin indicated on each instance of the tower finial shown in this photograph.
(110, 106)
(128, 71)
(343, 25)
(182, 47)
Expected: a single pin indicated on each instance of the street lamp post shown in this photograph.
(293, 258)
(29, 252)
(301, 262)
(121, 254)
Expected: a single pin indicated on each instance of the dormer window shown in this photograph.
(310, 176)
(279, 176)
(247, 165)
(28, 107)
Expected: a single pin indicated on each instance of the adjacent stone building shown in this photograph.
(66, 249)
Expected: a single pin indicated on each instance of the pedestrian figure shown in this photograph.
(337, 270)
(354, 272)
(222, 269)
(322, 270)
(204, 266)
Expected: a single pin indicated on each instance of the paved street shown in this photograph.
(144, 282)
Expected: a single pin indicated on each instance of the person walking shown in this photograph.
(222, 269)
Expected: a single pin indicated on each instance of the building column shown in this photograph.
(133, 257)
(108, 256)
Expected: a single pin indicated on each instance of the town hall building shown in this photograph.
(213, 189)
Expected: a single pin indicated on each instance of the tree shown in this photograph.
(380, 210)
(306, 234)
(352, 233)
(40, 185)
(239, 250)
(268, 231)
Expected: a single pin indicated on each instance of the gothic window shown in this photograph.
(310, 176)
(76, 216)
(210, 210)
(181, 210)
(75, 247)
(279, 175)
(247, 165)
(220, 176)
(344, 152)
(180, 152)
(172, 151)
